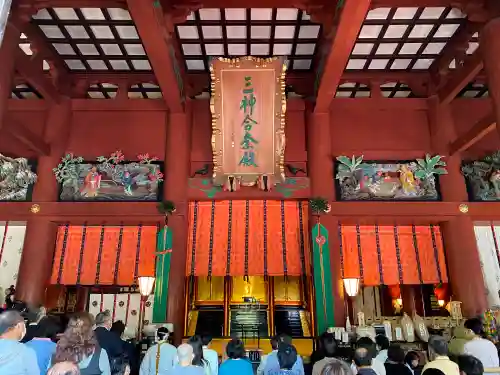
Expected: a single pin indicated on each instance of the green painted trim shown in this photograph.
(163, 243)
(322, 284)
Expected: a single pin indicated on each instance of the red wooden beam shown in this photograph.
(41, 49)
(27, 137)
(351, 18)
(149, 21)
(456, 48)
(32, 71)
(477, 132)
(461, 77)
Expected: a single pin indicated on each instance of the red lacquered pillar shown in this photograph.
(462, 255)
(39, 243)
(320, 172)
(489, 44)
(177, 167)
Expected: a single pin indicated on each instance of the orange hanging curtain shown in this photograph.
(103, 255)
(240, 238)
(393, 255)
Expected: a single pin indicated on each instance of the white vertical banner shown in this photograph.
(11, 248)
(4, 15)
(487, 242)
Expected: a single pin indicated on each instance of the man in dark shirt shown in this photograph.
(109, 341)
(363, 361)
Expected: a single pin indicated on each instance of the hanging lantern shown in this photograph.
(394, 291)
(441, 291)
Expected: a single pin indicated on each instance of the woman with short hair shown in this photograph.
(237, 362)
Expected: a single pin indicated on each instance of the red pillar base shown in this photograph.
(36, 261)
(464, 266)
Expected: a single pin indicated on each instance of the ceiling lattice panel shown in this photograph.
(405, 38)
(474, 90)
(359, 90)
(93, 39)
(25, 91)
(213, 32)
(109, 91)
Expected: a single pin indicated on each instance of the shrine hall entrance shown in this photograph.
(249, 270)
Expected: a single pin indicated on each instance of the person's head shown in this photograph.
(12, 325)
(336, 368)
(235, 349)
(475, 325)
(118, 327)
(368, 344)
(274, 343)
(197, 345)
(49, 327)
(283, 338)
(287, 356)
(438, 346)
(206, 339)
(185, 354)
(362, 357)
(382, 342)
(78, 340)
(469, 365)
(162, 333)
(412, 359)
(64, 368)
(433, 371)
(329, 345)
(396, 354)
(103, 319)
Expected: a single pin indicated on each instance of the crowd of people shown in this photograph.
(89, 346)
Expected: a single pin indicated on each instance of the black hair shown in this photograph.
(118, 327)
(274, 343)
(368, 344)
(287, 356)
(162, 332)
(235, 349)
(329, 345)
(433, 371)
(196, 344)
(283, 338)
(438, 344)
(396, 353)
(470, 365)
(411, 356)
(363, 357)
(382, 341)
(206, 339)
(475, 325)
(48, 328)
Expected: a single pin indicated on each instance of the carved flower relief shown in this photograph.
(121, 303)
(133, 312)
(148, 304)
(94, 303)
(4, 264)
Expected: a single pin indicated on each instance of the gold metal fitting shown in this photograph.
(35, 208)
(463, 208)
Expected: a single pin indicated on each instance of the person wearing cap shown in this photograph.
(15, 357)
(160, 358)
(185, 355)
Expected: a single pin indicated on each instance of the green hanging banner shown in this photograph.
(322, 279)
(163, 256)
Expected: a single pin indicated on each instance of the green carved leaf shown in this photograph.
(440, 171)
(420, 174)
(344, 160)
